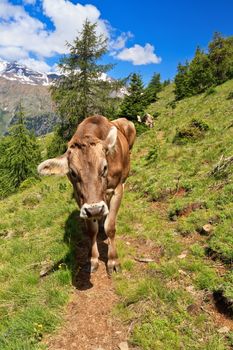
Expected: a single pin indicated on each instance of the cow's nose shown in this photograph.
(94, 211)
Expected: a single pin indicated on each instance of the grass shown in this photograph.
(32, 236)
(171, 196)
(168, 199)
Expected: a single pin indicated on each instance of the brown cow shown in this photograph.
(97, 163)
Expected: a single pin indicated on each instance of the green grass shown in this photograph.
(168, 199)
(32, 233)
(171, 196)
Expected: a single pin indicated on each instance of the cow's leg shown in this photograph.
(110, 229)
(92, 230)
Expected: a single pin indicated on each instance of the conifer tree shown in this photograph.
(221, 57)
(81, 91)
(19, 156)
(182, 81)
(153, 88)
(134, 104)
(200, 73)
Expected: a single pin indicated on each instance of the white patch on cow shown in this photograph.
(111, 139)
(54, 166)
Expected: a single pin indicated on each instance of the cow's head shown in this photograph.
(85, 164)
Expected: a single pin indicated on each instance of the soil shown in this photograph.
(89, 324)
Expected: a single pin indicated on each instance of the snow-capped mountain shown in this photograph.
(21, 73)
(20, 84)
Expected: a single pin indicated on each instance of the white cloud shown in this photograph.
(139, 55)
(12, 53)
(37, 65)
(23, 36)
(23, 32)
(29, 2)
(120, 42)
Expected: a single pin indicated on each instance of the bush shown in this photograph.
(230, 95)
(141, 128)
(172, 104)
(152, 155)
(156, 115)
(199, 124)
(210, 91)
(194, 131)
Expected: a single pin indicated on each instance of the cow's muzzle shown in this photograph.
(95, 210)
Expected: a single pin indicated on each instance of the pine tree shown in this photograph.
(81, 91)
(221, 57)
(134, 104)
(200, 73)
(153, 88)
(19, 156)
(166, 83)
(182, 81)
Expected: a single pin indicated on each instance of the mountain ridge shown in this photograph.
(19, 72)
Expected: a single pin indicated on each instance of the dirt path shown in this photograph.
(88, 323)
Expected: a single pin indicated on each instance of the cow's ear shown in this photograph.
(111, 139)
(54, 166)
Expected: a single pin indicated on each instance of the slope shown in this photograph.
(175, 291)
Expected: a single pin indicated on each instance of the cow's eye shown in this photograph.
(105, 170)
(74, 175)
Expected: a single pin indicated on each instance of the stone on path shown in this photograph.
(123, 345)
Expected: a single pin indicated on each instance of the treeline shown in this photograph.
(206, 69)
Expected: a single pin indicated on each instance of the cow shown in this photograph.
(97, 163)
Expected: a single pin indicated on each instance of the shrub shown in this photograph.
(141, 128)
(156, 115)
(211, 90)
(230, 95)
(194, 131)
(152, 155)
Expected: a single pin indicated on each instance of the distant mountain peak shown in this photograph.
(24, 75)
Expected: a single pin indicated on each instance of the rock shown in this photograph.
(9, 234)
(144, 260)
(223, 330)
(46, 267)
(182, 255)
(206, 229)
(191, 289)
(123, 345)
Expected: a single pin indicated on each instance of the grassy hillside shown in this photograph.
(179, 300)
(172, 199)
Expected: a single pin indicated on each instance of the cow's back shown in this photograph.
(127, 129)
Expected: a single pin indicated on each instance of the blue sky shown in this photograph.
(145, 36)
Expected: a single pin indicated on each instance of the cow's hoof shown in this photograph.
(113, 268)
(94, 267)
(117, 268)
(90, 267)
